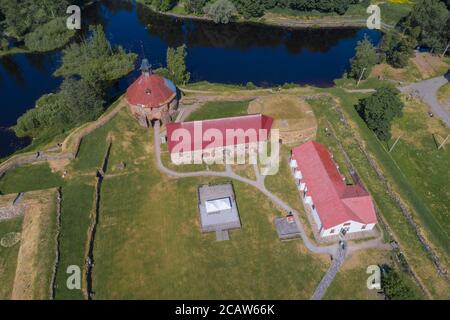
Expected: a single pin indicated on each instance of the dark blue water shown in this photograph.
(233, 53)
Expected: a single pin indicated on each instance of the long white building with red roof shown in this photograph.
(210, 138)
(335, 207)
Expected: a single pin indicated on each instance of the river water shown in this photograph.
(232, 53)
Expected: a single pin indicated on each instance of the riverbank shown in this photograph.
(12, 51)
(355, 17)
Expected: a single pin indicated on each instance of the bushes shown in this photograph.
(195, 6)
(428, 24)
(176, 66)
(364, 59)
(220, 11)
(3, 44)
(379, 110)
(75, 103)
(96, 61)
(397, 49)
(162, 5)
(50, 36)
(394, 287)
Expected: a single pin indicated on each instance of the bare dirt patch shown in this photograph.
(293, 116)
(429, 64)
(58, 165)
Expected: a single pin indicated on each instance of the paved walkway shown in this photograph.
(338, 261)
(427, 91)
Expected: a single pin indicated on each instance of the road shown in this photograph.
(427, 91)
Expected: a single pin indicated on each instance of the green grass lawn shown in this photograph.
(351, 281)
(219, 109)
(28, 178)
(149, 243)
(8, 257)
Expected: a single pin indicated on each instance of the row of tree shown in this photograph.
(40, 24)
(251, 8)
(88, 69)
(427, 25)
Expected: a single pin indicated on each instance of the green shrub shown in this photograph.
(50, 36)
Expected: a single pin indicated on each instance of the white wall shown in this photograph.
(353, 227)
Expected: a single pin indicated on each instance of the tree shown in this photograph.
(427, 23)
(249, 9)
(96, 61)
(397, 49)
(50, 36)
(76, 102)
(221, 11)
(394, 287)
(161, 5)
(380, 109)
(364, 59)
(176, 65)
(195, 6)
(23, 16)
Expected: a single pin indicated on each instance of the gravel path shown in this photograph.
(427, 91)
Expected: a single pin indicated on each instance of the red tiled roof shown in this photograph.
(202, 141)
(335, 202)
(150, 91)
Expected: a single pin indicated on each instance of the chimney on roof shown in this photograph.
(146, 67)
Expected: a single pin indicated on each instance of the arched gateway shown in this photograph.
(152, 97)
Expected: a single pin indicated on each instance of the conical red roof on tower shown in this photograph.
(150, 90)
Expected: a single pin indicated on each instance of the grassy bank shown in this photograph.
(355, 16)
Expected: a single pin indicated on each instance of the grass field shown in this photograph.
(8, 257)
(444, 94)
(28, 178)
(425, 167)
(219, 109)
